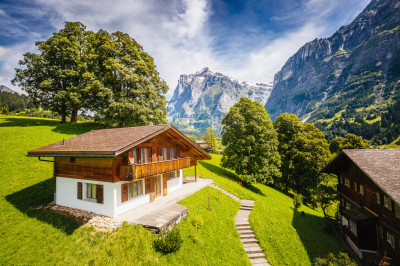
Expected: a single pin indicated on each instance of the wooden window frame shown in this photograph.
(378, 198)
(353, 227)
(355, 186)
(97, 188)
(397, 210)
(139, 188)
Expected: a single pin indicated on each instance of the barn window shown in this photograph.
(390, 239)
(387, 202)
(355, 186)
(397, 208)
(378, 198)
(342, 201)
(347, 182)
(362, 192)
(71, 159)
(353, 227)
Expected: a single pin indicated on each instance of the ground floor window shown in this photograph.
(135, 189)
(174, 174)
(90, 191)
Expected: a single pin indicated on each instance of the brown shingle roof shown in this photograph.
(382, 166)
(108, 142)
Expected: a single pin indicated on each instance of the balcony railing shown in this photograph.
(132, 172)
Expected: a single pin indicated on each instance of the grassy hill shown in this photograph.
(43, 237)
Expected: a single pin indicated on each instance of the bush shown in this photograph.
(335, 260)
(297, 201)
(198, 222)
(168, 242)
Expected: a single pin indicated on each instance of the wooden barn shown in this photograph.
(111, 171)
(369, 190)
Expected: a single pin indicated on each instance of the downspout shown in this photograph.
(54, 175)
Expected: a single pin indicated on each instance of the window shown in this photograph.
(135, 155)
(135, 189)
(347, 182)
(362, 192)
(378, 198)
(390, 239)
(71, 159)
(345, 222)
(353, 227)
(342, 202)
(171, 152)
(387, 202)
(174, 174)
(397, 209)
(380, 229)
(355, 186)
(90, 191)
(348, 205)
(145, 155)
(93, 192)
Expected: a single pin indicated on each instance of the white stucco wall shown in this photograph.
(66, 195)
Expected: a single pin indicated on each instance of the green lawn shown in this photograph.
(42, 237)
(286, 237)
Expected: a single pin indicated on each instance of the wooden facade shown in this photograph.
(370, 216)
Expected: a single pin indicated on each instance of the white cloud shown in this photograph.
(177, 33)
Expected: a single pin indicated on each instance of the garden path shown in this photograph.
(243, 226)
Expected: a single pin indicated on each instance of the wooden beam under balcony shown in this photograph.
(132, 172)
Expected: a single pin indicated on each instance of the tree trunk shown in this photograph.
(63, 118)
(74, 116)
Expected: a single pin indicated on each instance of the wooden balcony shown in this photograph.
(132, 172)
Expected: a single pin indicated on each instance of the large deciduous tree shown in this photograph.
(304, 151)
(123, 85)
(108, 74)
(53, 78)
(251, 143)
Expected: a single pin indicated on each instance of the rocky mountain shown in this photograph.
(356, 71)
(202, 99)
(6, 89)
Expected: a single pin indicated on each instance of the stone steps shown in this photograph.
(243, 227)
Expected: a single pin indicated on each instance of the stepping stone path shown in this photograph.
(247, 236)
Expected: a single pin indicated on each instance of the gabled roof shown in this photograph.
(381, 166)
(112, 142)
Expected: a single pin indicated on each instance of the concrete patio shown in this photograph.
(164, 213)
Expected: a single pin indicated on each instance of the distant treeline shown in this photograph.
(381, 132)
(14, 102)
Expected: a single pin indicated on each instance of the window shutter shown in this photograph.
(79, 190)
(178, 173)
(154, 154)
(160, 154)
(100, 193)
(124, 192)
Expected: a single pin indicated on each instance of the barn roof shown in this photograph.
(112, 142)
(382, 166)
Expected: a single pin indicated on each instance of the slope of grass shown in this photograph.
(393, 145)
(43, 237)
(286, 237)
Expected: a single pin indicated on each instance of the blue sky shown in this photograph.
(248, 40)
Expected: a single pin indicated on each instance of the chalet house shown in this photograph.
(369, 189)
(111, 171)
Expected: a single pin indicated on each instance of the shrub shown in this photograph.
(297, 201)
(168, 242)
(198, 222)
(335, 260)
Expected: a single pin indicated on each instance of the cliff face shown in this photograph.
(202, 99)
(356, 67)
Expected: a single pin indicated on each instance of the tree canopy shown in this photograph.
(209, 138)
(109, 74)
(251, 143)
(304, 151)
